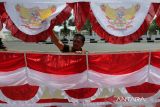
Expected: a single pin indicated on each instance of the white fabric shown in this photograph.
(154, 75)
(130, 79)
(93, 104)
(13, 78)
(33, 18)
(118, 12)
(56, 81)
(70, 1)
(88, 78)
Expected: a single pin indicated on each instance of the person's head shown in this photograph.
(78, 41)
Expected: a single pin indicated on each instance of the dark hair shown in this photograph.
(81, 36)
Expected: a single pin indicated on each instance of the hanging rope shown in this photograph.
(25, 59)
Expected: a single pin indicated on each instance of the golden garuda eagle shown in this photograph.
(34, 17)
(121, 17)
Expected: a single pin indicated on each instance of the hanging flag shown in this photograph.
(33, 18)
(120, 18)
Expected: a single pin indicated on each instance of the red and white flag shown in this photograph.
(33, 18)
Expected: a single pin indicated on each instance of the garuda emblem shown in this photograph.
(34, 18)
(120, 18)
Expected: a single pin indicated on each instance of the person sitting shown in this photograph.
(78, 42)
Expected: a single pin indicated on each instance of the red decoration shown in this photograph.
(145, 90)
(117, 64)
(158, 14)
(81, 10)
(34, 38)
(155, 59)
(11, 61)
(126, 39)
(23, 92)
(57, 64)
(81, 93)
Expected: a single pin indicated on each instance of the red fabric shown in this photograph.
(23, 92)
(56, 100)
(155, 59)
(34, 38)
(114, 64)
(11, 61)
(158, 14)
(81, 93)
(117, 64)
(64, 15)
(81, 10)
(1, 25)
(2, 9)
(109, 99)
(53, 100)
(57, 64)
(25, 37)
(145, 90)
(128, 38)
(157, 104)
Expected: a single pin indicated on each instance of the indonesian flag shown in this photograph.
(120, 18)
(33, 18)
